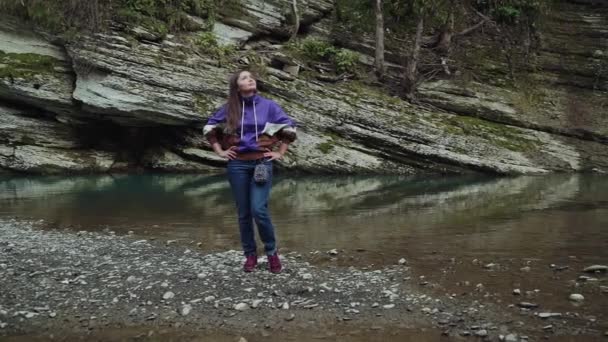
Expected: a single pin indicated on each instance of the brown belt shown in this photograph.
(250, 156)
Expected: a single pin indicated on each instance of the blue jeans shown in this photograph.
(252, 205)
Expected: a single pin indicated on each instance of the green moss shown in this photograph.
(498, 134)
(325, 147)
(26, 65)
(527, 94)
(202, 103)
(233, 9)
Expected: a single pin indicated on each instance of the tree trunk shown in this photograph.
(447, 31)
(296, 25)
(411, 69)
(379, 39)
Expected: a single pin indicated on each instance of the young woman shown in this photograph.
(247, 131)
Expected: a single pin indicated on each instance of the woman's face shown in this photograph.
(246, 83)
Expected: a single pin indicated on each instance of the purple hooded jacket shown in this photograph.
(263, 123)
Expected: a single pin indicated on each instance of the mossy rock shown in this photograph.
(27, 65)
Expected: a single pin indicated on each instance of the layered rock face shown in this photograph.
(112, 102)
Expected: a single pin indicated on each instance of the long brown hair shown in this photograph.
(233, 104)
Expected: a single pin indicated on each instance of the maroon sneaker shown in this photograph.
(250, 263)
(274, 263)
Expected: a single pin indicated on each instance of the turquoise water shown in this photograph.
(557, 214)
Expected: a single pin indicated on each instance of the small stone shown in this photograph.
(587, 278)
(527, 305)
(389, 306)
(164, 284)
(517, 292)
(575, 297)
(604, 289)
(333, 252)
(131, 279)
(549, 314)
(241, 307)
(168, 295)
(201, 275)
(52, 315)
(375, 305)
(290, 317)
(3, 325)
(209, 299)
(525, 269)
(242, 339)
(481, 333)
(402, 261)
(256, 303)
(596, 268)
(548, 327)
(307, 276)
(490, 265)
(186, 309)
(285, 306)
(511, 338)
(30, 315)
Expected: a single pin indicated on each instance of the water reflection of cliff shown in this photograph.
(318, 212)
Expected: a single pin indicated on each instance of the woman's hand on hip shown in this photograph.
(229, 153)
(273, 155)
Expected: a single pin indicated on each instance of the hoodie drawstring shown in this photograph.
(255, 118)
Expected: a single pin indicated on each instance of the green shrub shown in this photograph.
(315, 49)
(207, 43)
(159, 16)
(345, 61)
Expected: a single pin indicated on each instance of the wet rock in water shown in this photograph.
(517, 292)
(576, 297)
(186, 309)
(402, 261)
(333, 252)
(549, 314)
(527, 305)
(241, 307)
(596, 268)
(168, 295)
